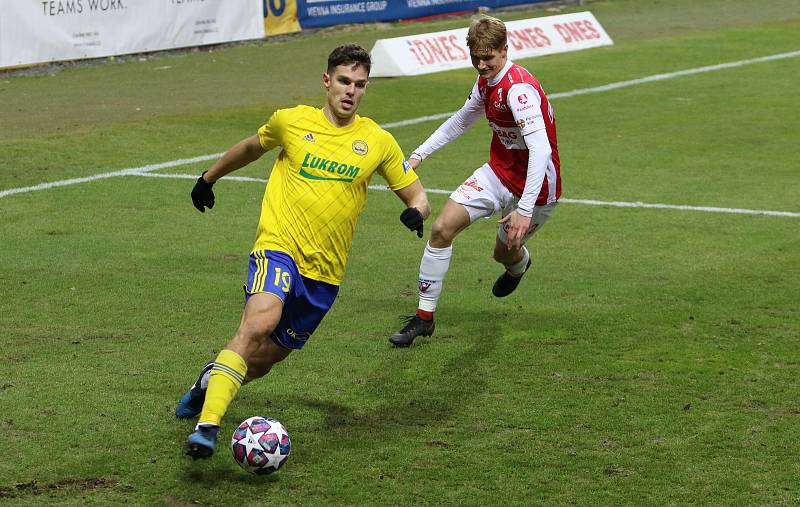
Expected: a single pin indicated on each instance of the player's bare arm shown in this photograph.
(414, 196)
(239, 155)
(417, 207)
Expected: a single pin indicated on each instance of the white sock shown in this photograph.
(518, 268)
(202, 379)
(432, 270)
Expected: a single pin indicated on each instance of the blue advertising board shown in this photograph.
(319, 13)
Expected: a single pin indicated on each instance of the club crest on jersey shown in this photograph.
(523, 99)
(360, 147)
(309, 137)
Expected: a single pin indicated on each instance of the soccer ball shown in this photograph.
(261, 445)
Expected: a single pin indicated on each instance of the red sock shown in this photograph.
(425, 315)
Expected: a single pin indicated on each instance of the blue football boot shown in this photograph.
(202, 442)
(191, 403)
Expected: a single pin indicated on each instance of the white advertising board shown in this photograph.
(36, 31)
(435, 52)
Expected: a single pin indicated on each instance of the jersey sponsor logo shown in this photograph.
(532, 120)
(520, 123)
(360, 148)
(510, 137)
(499, 104)
(309, 137)
(465, 191)
(506, 134)
(406, 166)
(344, 173)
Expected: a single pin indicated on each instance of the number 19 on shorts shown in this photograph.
(283, 280)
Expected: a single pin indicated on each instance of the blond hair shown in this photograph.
(485, 34)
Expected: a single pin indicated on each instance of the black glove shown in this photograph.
(202, 195)
(412, 218)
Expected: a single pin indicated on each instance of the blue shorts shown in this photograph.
(305, 301)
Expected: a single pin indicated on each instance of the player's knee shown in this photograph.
(441, 233)
(252, 333)
(257, 326)
(250, 338)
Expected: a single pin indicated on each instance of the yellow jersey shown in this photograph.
(318, 186)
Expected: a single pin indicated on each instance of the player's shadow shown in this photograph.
(419, 402)
(423, 401)
(409, 402)
(220, 471)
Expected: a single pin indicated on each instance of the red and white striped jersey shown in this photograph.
(516, 105)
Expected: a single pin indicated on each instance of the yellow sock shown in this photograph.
(226, 378)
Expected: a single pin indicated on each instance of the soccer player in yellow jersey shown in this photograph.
(315, 194)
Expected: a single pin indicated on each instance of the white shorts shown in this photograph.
(483, 195)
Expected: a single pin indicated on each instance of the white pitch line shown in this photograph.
(413, 121)
(194, 177)
(707, 209)
(112, 174)
(621, 84)
(679, 73)
(592, 202)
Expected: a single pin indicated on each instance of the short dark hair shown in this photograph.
(349, 54)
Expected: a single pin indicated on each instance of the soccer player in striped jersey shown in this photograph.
(521, 180)
(316, 191)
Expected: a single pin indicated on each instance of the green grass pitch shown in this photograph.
(650, 357)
